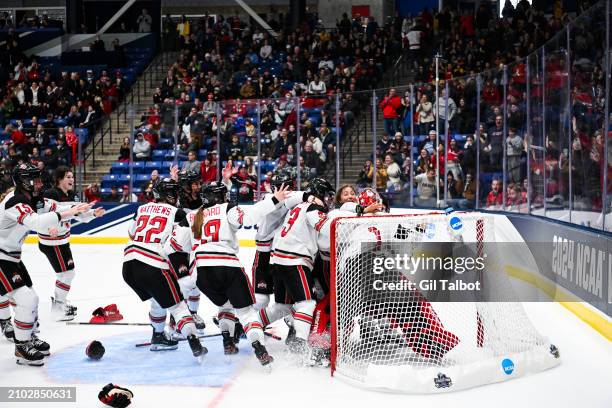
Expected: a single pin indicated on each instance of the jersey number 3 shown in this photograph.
(155, 225)
(292, 217)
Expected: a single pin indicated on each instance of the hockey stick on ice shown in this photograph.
(108, 324)
(274, 336)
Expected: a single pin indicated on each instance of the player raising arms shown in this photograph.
(17, 218)
(263, 281)
(147, 272)
(295, 248)
(220, 275)
(57, 249)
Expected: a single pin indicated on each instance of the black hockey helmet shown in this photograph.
(24, 176)
(95, 350)
(320, 188)
(186, 178)
(213, 193)
(167, 190)
(284, 177)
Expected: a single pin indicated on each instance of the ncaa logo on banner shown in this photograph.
(507, 366)
(456, 223)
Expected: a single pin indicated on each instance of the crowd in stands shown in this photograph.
(227, 70)
(482, 43)
(44, 114)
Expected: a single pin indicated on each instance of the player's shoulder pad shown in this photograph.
(230, 206)
(316, 207)
(180, 216)
(18, 199)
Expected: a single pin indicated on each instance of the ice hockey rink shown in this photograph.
(174, 378)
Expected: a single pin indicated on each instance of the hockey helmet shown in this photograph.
(167, 190)
(24, 176)
(213, 193)
(368, 197)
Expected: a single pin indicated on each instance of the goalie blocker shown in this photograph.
(400, 341)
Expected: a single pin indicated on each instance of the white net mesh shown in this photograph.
(417, 340)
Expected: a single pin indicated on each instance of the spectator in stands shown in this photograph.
(495, 146)
(144, 22)
(454, 159)
(514, 151)
(316, 86)
(192, 163)
(92, 192)
(142, 148)
(113, 196)
(468, 195)
(394, 173)
(245, 184)
(454, 188)
(430, 143)
(366, 175)
(63, 153)
(390, 106)
(126, 197)
(426, 188)
(495, 196)
(125, 150)
(208, 170)
(328, 138)
(381, 176)
(445, 112)
(312, 162)
(35, 98)
(235, 150)
(515, 200)
(97, 45)
(41, 136)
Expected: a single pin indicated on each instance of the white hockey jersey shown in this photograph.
(17, 218)
(219, 244)
(152, 226)
(274, 220)
(324, 240)
(296, 242)
(57, 200)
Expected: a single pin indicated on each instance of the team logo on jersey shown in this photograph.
(442, 381)
(456, 223)
(262, 285)
(507, 366)
(16, 279)
(554, 351)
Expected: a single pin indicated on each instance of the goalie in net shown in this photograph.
(414, 340)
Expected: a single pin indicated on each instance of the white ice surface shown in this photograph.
(583, 380)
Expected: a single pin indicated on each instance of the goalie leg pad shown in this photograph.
(26, 311)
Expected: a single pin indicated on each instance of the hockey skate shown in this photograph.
(262, 355)
(8, 330)
(199, 322)
(161, 341)
(41, 345)
(63, 311)
(198, 350)
(27, 354)
(229, 346)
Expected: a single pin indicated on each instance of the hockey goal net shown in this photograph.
(417, 339)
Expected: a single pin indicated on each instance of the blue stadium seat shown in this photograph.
(119, 168)
(153, 165)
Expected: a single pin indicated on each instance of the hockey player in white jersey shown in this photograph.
(263, 281)
(220, 275)
(57, 249)
(147, 271)
(295, 248)
(17, 218)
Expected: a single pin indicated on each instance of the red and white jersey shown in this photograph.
(296, 242)
(219, 244)
(18, 217)
(324, 241)
(274, 220)
(63, 236)
(152, 226)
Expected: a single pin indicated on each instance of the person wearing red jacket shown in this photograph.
(495, 197)
(391, 105)
(208, 171)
